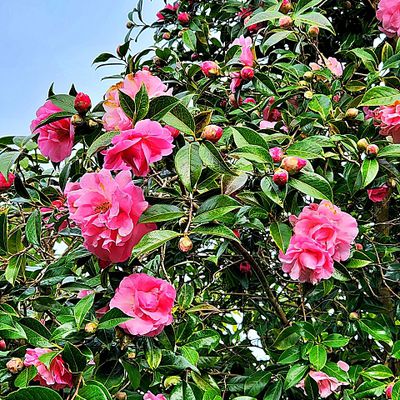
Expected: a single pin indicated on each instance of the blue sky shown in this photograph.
(45, 41)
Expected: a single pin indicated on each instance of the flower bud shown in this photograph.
(313, 31)
(91, 327)
(15, 365)
(82, 103)
(389, 390)
(166, 35)
(280, 177)
(303, 83)
(210, 68)
(285, 22)
(285, 7)
(92, 124)
(185, 244)
(233, 102)
(236, 233)
(372, 150)
(276, 153)
(174, 132)
(245, 267)
(249, 100)
(351, 113)
(308, 95)
(353, 316)
(362, 144)
(184, 18)
(6, 184)
(308, 75)
(212, 133)
(293, 164)
(3, 345)
(130, 24)
(247, 73)
(194, 56)
(77, 120)
(336, 98)
(121, 396)
(359, 246)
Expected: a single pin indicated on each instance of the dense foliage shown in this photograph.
(224, 224)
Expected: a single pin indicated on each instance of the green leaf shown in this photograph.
(378, 372)
(256, 383)
(133, 374)
(294, 375)
(314, 18)
(103, 57)
(82, 308)
(3, 231)
(369, 389)
(15, 265)
(281, 235)
(391, 150)
(25, 376)
(53, 118)
(369, 170)
(274, 391)
(321, 104)
(34, 393)
(190, 354)
(153, 240)
(142, 103)
(101, 142)
(254, 153)
(313, 185)
(214, 208)
(272, 191)
(245, 136)
(34, 227)
(37, 334)
(287, 338)
(396, 391)
(332, 369)
(318, 357)
(275, 38)
(180, 118)
(216, 230)
(93, 392)
(112, 318)
(160, 213)
(153, 357)
(160, 106)
(304, 5)
(263, 16)
(376, 330)
(290, 356)
(212, 158)
(396, 350)
(64, 101)
(190, 40)
(127, 104)
(188, 165)
(186, 295)
(205, 339)
(182, 391)
(7, 160)
(305, 149)
(74, 358)
(335, 340)
(380, 96)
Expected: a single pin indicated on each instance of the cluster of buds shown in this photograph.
(290, 165)
(212, 133)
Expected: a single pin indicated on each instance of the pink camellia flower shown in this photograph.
(306, 261)
(57, 376)
(137, 148)
(160, 16)
(368, 113)
(83, 293)
(247, 73)
(267, 125)
(5, 184)
(334, 66)
(378, 194)
(315, 67)
(276, 153)
(247, 56)
(343, 365)
(55, 139)
(389, 390)
(249, 100)
(330, 227)
(57, 207)
(388, 13)
(388, 120)
(151, 396)
(326, 384)
(210, 68)
(235, 82)
(148, 300)
(107, 210)
(154, 85)
(115, 119)
(184, 18)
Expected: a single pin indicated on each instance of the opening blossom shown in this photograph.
(56, 139)
(151, 396)
(326, 384)
(57, 376)
(135, 149)
(388, 120)
(247, 56)
(148, 301)
(388, 13)
(107, 210)
(378, 194)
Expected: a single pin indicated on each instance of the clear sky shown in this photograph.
(45, 41)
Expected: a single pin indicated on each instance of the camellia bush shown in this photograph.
(223, 224)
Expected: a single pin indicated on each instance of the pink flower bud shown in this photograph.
(174, 132)
(185, 244)
(313, 31)
(212, 133)
(336, 98)
(372, 150)
(233, 102)
(377, 195)
(293, 164)
(184, 18)
(343, 366)
(5, 184)
(82, 103)
(3, 345)
(276, 153)
(247, 73)
(15, 365)
(280, 177)
(285, 22)
(166, 35)
(359, 246)
(245, 267)
(389, 390)
(194, 56)
(249, 100)
(285, 7)
(210, 68)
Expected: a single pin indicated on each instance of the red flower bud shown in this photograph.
(166, 35)
(245, 267)
(6, 184)
(389, 390)
(194, 56)
(212, 133)
(280, 177)
(378, 194)
(184, 18)
(285, 7)
(174, 132)
(249, 100)
(293, 164)
(236, 233)
(372, 150)
(210, 68)
(3, 345)
(285, 22)
(82, 103)
(247, 73)
(359, 246)
(276, 153)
